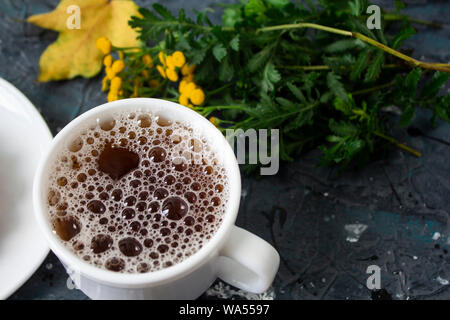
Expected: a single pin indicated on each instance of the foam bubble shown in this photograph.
(152, 212)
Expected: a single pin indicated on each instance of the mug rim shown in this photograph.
(131, 280)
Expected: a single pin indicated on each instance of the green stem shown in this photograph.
(213, 92)
(284, 115)
(305, 68)
(357, 35)
(305, 25)
(236, 106)
(376, 88)
(206, 111)
(323, 67)
(226, 121)
(398, 144)
(443, 65)
(396, 17)
(164, 84)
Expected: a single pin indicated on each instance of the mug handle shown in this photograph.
(247, 262)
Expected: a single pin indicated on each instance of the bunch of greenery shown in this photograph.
(314, 71)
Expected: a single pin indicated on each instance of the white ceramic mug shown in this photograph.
(232, 254)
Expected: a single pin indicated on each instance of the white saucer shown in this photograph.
(24, 136)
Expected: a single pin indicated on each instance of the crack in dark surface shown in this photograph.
(392, 186)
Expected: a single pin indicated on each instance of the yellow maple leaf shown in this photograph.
(74, 52)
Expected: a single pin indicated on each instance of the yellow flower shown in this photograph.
(161, 71)
(105, 84)
(110, 74)
(112, 96)
(172, 75)
(189, 77)
(162, 58)
(178, 59)
(197, 96)
(145, 73)
(190, 105)
(188, 69)
(189, 88)
(214, 121)
(116, 84)
(108, 60)
(153, 83)
(118, 66)
(182, 85)
(183, 100)
(170, 62)
(147, 60)
(103, 44)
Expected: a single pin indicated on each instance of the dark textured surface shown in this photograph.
(303, 211)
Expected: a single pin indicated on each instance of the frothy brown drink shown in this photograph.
(136, 193)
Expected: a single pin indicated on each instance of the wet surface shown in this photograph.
(328, 228)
